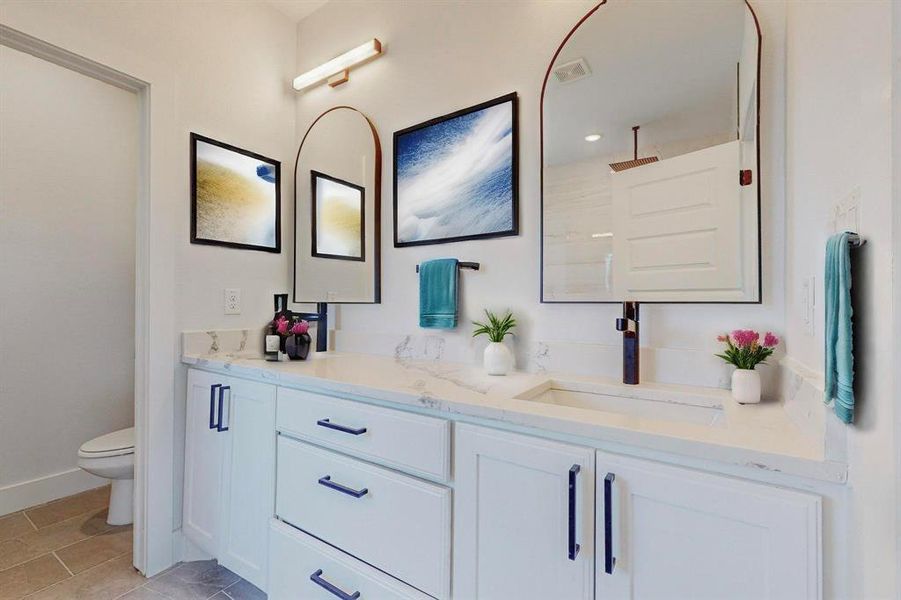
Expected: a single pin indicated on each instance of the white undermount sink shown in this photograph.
(649, 402)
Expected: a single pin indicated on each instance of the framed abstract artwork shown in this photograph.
(456, 176)
(235, 197)
(338, 217)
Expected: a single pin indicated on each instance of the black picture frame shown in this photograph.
(514, 184)
(195, 239)
(314, 199)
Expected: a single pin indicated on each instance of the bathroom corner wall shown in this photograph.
(839, 147)
(443, 56)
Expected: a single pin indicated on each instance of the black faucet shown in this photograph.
(320, 317)
(628, 324)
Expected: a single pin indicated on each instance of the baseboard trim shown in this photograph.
(186, 550)
(44, 489)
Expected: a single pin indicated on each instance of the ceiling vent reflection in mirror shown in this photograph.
(572, 71)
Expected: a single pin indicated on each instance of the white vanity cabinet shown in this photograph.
(680, 533)
(310, 495)
(229, 471)
(523, 517)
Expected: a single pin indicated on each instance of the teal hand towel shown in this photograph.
(839, 331)
(438, 293)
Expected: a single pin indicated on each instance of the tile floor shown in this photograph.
(64, 550)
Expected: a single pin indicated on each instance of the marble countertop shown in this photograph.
(758, 436)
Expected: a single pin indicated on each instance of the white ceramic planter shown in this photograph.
(498, 360)
(746, 386)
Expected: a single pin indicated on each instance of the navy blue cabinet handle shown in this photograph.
(327, 482)
(318, 580)
(609, 559)
(336, 427)
(213, 389)
(222, 389)
(573, 546)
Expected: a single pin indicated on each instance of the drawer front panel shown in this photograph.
(394, 522)
(303, 567)
(406, 441)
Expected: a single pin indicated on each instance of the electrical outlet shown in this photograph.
(232, 301)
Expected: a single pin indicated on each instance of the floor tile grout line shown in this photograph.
(65, 566)
(27, 518)
(55, 582)
(62, 581)
(60, 548)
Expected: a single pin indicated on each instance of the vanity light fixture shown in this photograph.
(606, 234)
(593, 137)
(337, 70)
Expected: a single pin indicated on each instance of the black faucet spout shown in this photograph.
(628, 324)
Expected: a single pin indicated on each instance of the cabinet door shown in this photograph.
(680, 533)
(248, 485)
(203, 461)
(519, 532)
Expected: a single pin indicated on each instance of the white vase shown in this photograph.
(746, 386)
(498, 360)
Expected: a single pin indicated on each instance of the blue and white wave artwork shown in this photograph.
(455, 178)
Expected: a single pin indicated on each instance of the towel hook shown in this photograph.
(855, 240)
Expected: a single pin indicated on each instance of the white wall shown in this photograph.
(839, 134)
(68, 191)
(443, 56)
(222, 69)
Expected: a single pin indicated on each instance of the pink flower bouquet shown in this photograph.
(744, 350)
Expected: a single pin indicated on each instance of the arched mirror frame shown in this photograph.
(547, 75)
(377, 212)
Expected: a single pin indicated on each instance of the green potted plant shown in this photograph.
(497, 359)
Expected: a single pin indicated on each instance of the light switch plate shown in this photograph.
(232, 304)
(808, 304)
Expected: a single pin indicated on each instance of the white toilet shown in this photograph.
(113, 456)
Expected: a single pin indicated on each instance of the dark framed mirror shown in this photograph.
(650, 155)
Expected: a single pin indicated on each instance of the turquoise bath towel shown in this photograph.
(839, 342)
(438, 293)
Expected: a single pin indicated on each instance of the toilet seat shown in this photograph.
(117, 443)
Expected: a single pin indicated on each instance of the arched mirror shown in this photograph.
(337, 204)
(650, 179)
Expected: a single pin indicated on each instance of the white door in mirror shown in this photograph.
(678, 228)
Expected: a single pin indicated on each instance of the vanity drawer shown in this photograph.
(392, 521)
(300, 566)
(405, 441)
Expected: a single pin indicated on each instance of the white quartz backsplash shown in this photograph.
(663, 365)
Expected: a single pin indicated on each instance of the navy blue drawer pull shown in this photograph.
(609, 559)
(213, 389)
(318, 580)
(327, 423)
(573, 546)
(222, 389)
(327, 482)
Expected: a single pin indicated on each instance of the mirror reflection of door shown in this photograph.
(649, 156)
(337, 181)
